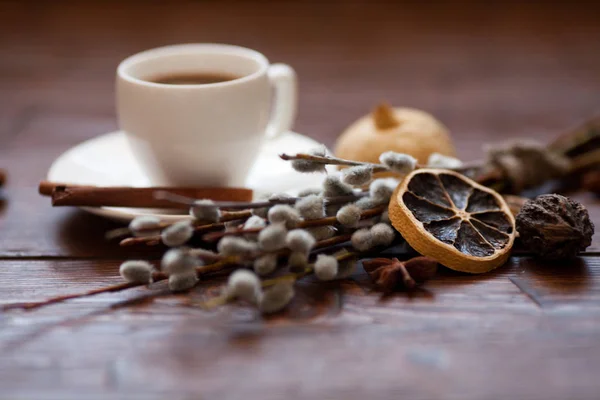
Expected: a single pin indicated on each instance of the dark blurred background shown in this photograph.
(495, 69)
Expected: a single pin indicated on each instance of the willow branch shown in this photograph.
(157, 276)
(211, 237)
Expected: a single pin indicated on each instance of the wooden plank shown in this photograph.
(476, 337)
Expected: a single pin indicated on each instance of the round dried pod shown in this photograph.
(404, 130)
(284, 214)
(437, 160)
(326, 267)
(177, 234)
(145, 225)
(136, 271)
(322, 232)
(554, 227)
(381, 190)
(266, 264)
(398, 162)
(310, 207)
(254, 222)
(300, 240)
(178, 261)
(349, 215)
(447, 216)
(236, 246)
(297, 261)
(358, 175)
(205, 210)
(382, 234)
(182, 281)
(245, 285)
(276, 298)
(272, 238)
(307, 166)
(362, 240)
(334, 187)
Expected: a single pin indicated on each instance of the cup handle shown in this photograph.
(283, 79)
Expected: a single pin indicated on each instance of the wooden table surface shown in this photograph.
(488, 71)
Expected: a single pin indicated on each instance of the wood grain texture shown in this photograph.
(488, 71)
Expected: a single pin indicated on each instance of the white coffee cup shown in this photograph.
(202, 134)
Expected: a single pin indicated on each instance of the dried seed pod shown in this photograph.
(276, 298)
(136, 271)
(358, 175)
(300, 241)
(236, 246)
(182, 281)
(245, 285)
(310, 207)
(307, 166)
(176, 261)
(266, 264)
(272, 238)
(437, 160)
(389, 274)
(554, 227)
(284, 214)
(297, 261)
(362, 240)
(145, 225)
(334, 187)
(349, 215)
(177, 234)
(381, 190)
(382, 234)
(398, 162)
(326, 267)
(205, 210)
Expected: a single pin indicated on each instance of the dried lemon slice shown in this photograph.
(444, 215)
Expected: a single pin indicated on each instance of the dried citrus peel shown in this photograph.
(444, 215)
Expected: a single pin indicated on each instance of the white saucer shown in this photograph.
(107, 161)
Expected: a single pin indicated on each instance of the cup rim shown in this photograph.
(187, 49)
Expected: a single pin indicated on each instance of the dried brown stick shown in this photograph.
(91, 196)
(2, 177)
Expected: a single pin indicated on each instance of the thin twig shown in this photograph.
(259, 204)
(329, 160)
(157, 276)
(211, 237)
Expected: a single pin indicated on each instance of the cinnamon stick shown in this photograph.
(92, 196)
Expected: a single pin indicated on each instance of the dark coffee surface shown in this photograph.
(192, 78)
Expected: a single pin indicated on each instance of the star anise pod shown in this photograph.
(390, 274)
